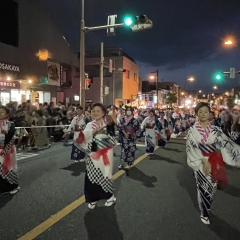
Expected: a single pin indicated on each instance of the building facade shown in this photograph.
(150, 95)
(36, 61)
(123, 86)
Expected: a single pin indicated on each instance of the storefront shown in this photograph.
(8, 91)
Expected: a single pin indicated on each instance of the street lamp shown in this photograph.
(215, 87)
(191, 79)
(154, 75)
(229, 42)
(200, 91)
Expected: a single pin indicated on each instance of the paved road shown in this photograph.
(155, 200)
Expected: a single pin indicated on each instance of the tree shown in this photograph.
(171, 98)
(230, 102)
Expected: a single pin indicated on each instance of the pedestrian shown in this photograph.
(8, 163)
(98, 179)
(129, 131)
(77, 125)
(149, 125)
(204, 141)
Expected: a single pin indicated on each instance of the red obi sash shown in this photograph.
(81, 137)
(102, 152)
(217, 168)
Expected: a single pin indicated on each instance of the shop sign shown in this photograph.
(9, 67)
(9, 84)
(53, 70)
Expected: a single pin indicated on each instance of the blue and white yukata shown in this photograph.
(163, 137)
(177, 124)
(150, 133)
(201, 144)
(77, 125)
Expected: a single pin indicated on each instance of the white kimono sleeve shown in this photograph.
(88, 133)
(194, 154)
(144, 123)
(72, 125)
(230, 150)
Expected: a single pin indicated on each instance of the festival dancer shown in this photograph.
(129, 131)
(77, 125)
(149, 125)
(177, 123)
(163, 134)
(204, 141)
(8, 163)
(169, 121)
(99, 147)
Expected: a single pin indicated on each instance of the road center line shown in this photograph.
(68, 209)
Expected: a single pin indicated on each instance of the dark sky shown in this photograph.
(186, 39)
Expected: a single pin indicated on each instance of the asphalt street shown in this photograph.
(156, 199)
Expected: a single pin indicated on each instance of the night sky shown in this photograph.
(186, 39)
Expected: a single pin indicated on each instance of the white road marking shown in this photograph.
(24, 155)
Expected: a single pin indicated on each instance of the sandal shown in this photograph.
(92, 205)
(110, 201)
(205, 220)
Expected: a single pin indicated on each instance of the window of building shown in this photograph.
(135, 77)
(128, 74)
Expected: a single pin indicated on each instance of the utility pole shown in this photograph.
(101, 74)
(157, 86)
(141, 23)
(82, 59)
(114, 80)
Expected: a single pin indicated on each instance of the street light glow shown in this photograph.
(128, 21)
(30, 81)
(200, 91)
(229, 42)
(215, 87)
(191, 79)
(152, 77)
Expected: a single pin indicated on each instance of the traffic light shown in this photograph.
(88, 82)
(138, 23)
(128, 20)
(218, 77)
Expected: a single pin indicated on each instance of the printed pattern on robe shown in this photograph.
(95, 176)
(129, 145)
(230, 150)
(97, 171)
(11, 175)
(206, 189)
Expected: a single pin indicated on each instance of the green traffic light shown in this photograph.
(128, 21)
(218, 77)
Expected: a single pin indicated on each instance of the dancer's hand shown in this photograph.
(3, 131)
(206, 167)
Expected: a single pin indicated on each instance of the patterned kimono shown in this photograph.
(177, 123)
(99, 148)
(8, 162)
(77, 125)
(150, 133)
(128, 145)
(170, 123)
(203, 143)
(185, 123)
(164, 134)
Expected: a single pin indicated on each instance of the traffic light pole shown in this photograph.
(82, 60)
(101, 74)
(83, 30)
